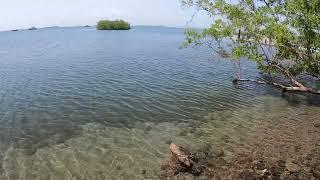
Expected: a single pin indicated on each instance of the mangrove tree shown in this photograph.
(281, 36)
(113, 25)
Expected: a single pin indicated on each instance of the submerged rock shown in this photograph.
(316, 124)
(292, 167)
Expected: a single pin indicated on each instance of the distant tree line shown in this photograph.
(113, 25)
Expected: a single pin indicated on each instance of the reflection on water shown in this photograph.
(82, 104)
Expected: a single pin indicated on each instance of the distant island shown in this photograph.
(32, 28)
(113, 25)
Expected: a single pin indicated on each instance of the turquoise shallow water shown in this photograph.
(76, 103)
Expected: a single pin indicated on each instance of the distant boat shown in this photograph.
(86, 26)
(32, 28)
(14, 30)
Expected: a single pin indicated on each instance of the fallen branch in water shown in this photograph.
(235, 81)
(298, 88)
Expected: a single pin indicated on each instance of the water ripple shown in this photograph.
(73, 98)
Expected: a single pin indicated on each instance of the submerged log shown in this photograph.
(181, 161)
(181, 155)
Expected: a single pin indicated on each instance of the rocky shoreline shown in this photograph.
(288, 150)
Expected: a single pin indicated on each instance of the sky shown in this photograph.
(16, 14)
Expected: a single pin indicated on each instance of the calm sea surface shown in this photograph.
(76, 103)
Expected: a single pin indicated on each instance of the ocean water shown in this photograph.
(76, 103)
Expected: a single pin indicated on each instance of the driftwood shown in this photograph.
(180, 161)
(181, 155)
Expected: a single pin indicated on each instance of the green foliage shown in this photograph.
(293, 26)
(113, 25)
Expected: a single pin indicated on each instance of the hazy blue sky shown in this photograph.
(40, 13)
